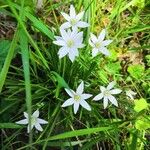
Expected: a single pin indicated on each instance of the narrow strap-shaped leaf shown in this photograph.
(74, 133)
(9, 126)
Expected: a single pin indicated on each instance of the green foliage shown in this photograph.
(139, 3)
(4, 47)
(136, 71)
(33, 77)
(113, 68)
(148, 60)
(140, 105)
(142, 124)
(9, 126)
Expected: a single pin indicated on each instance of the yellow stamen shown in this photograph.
(98, 44)
(70, 43)
(77, 97)
(73, 22)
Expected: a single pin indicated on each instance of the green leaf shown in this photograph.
(114, 55)
(36, 22)
(74, 133)
(113, 68)
(9, 125)
(60, 80)
(79, 133)
(142, 124)
(40, 25)
(64, 144)
(4, 47)
(148, 60)
(140, 105)
(103, 76)
(139, 3)
(136, 71)
(8, 59)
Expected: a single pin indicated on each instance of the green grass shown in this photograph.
(33, 77)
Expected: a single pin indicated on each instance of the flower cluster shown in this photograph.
(78, 97)
(71, 39)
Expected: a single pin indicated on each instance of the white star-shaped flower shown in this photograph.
(73, 20)
(77, 98)
(130, 94)
(35, 121)
(70, 42)
(106, 94)
(99, 44)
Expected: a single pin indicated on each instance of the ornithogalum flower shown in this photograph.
(107, 94)
(35, 121)
(73, 20)
(99, 44)
(77, 98)
(130, 94)
(70, 42)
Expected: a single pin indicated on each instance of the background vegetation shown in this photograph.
(32, 77)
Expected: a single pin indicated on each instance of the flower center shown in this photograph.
(98, 44)
(33, 120)
(70, 43)
(106, 93)
(77, 97)
(73, 22)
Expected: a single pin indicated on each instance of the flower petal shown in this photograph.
(25, 114)
(105, 102)
(74, 27)
(64, 34)
(72, 11)
(70, 92)
(23, 121)
(86, 96)
(94, 52)
(84, 104)
(130, 94)
(74, 51)
(111, 85)
(80, 88)
(38, 127)
(106, 42)
(66, 16)
(65, 25)
(113, 100)
(80, 15)
(62, 52)
(41, 121)
(93, 38)
(36, 114)
(102, 35)
(28, 128)
(81, 45)
(115, 91)
(58, 37)
(59, 42)
(76, 107)
(104, 51)
(102, 88)
(78, 37)
(72, 55)
(82, 24)
(98, 97)
(91, 43)
(68, 102)
(69, 32)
